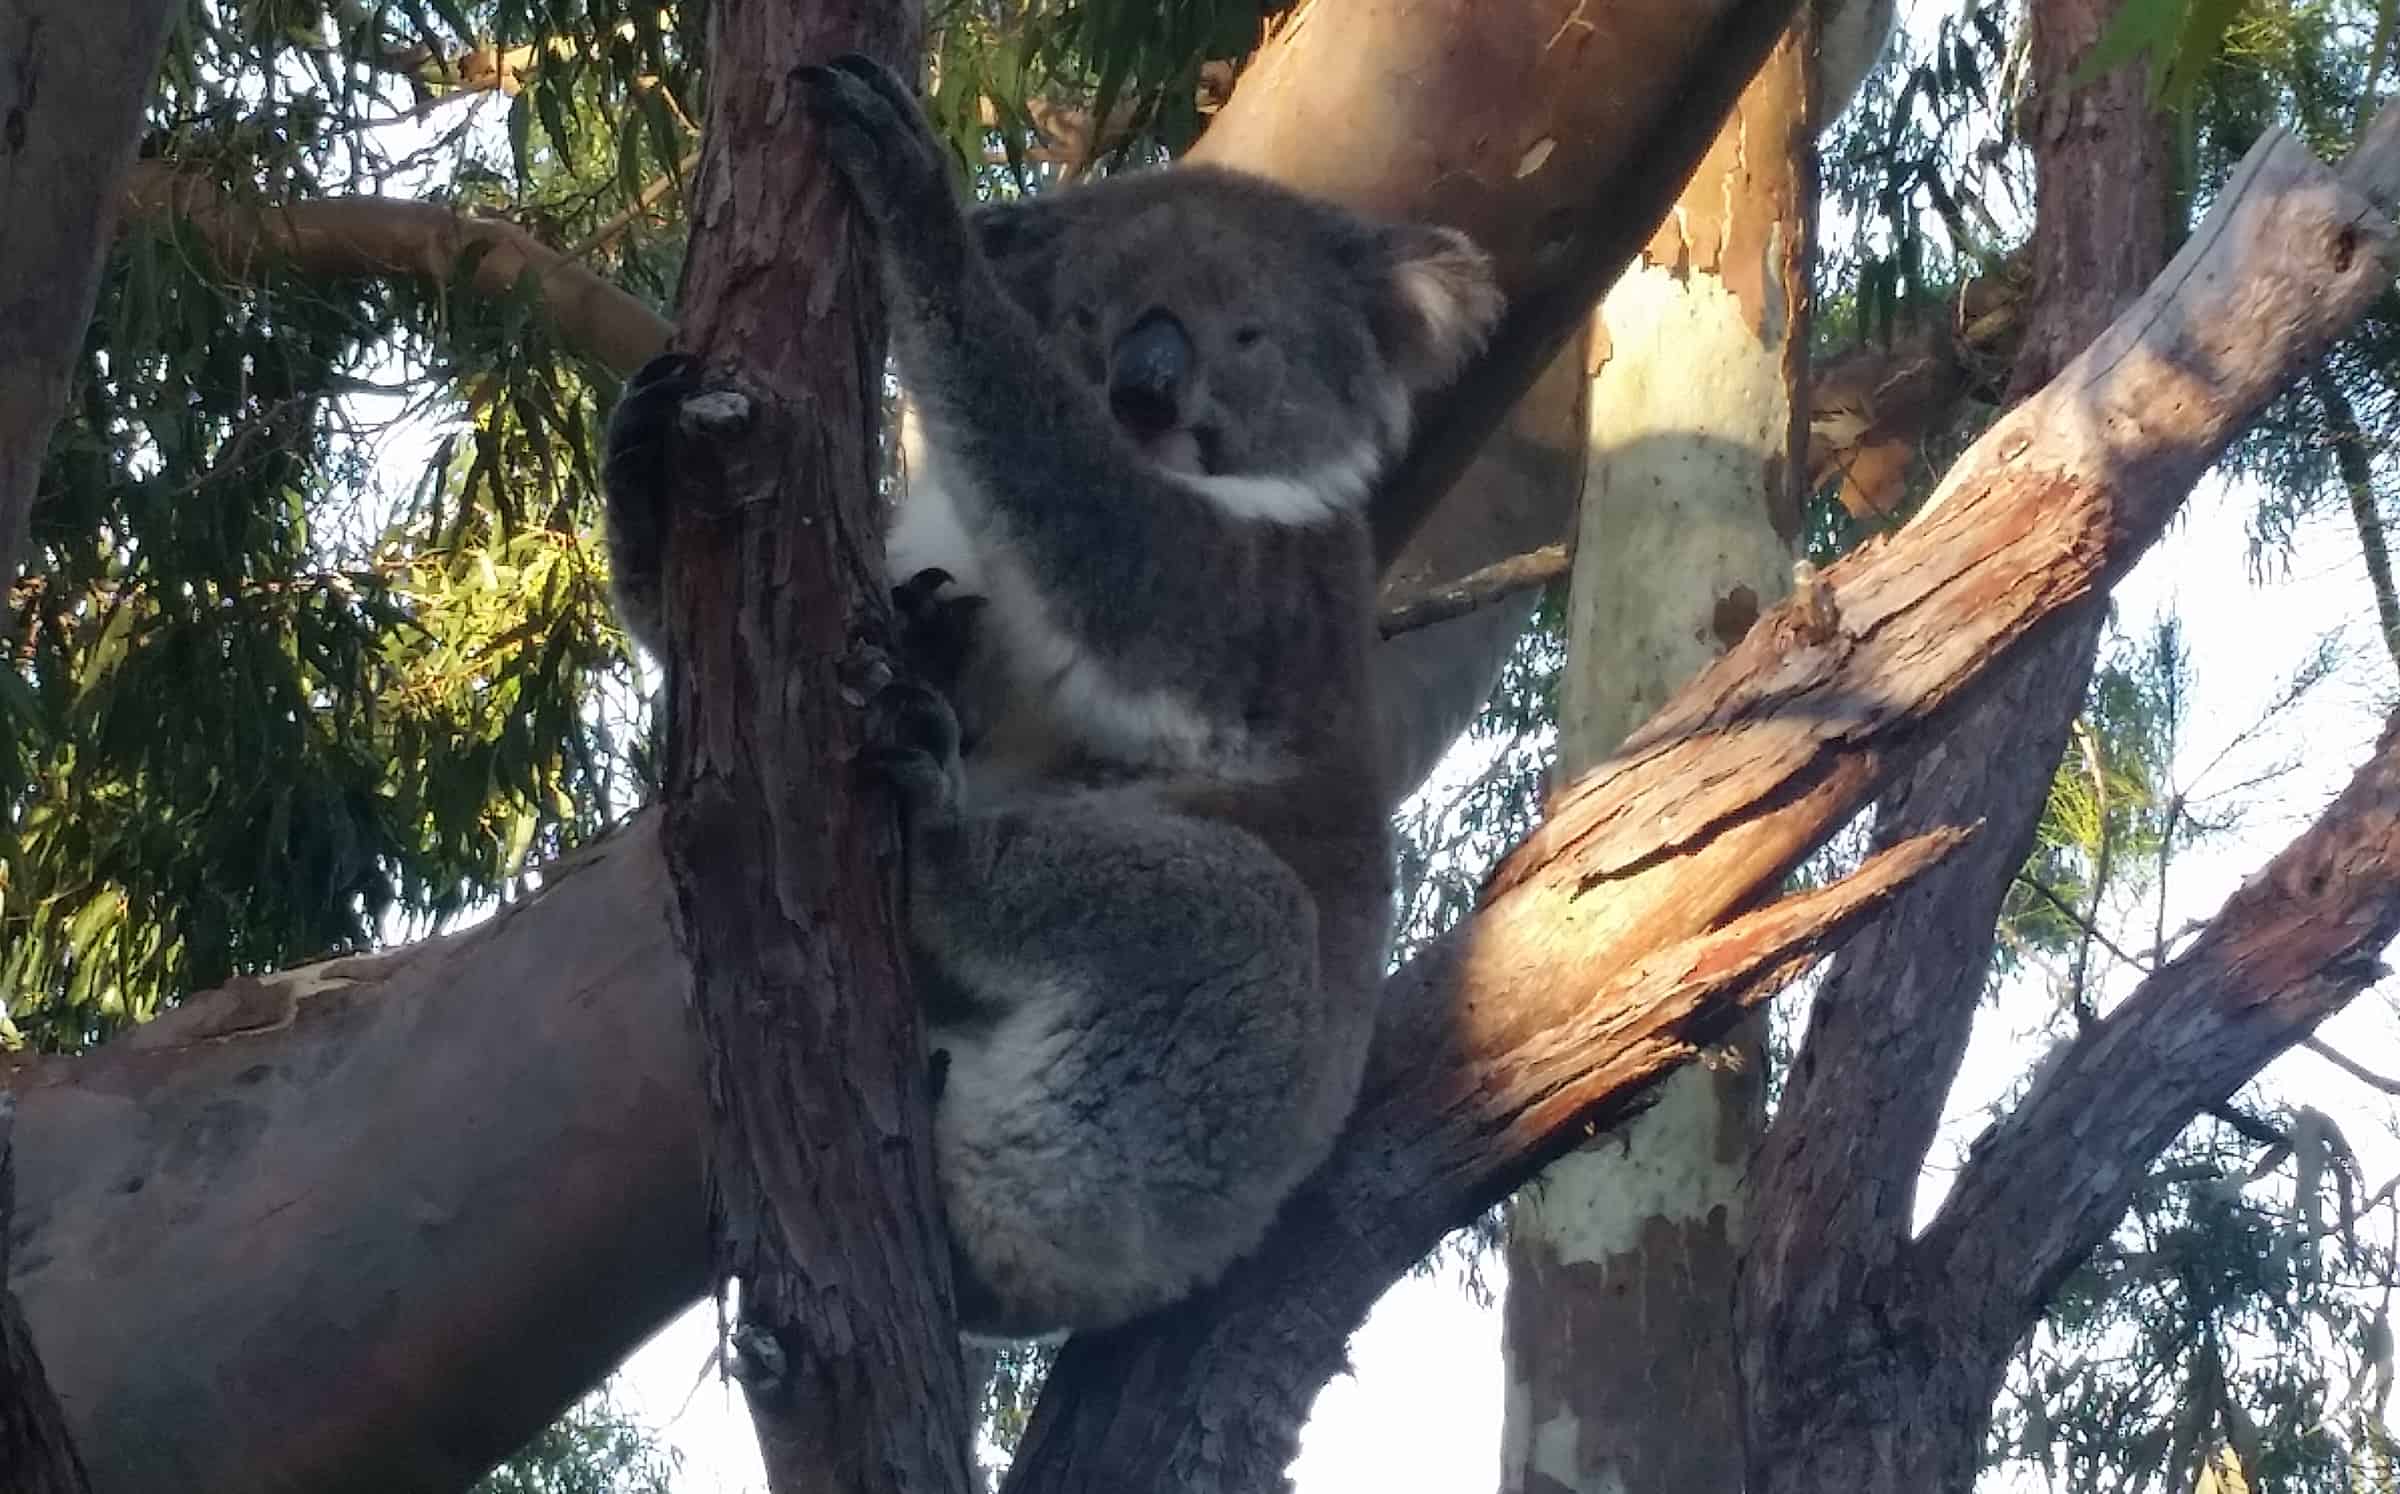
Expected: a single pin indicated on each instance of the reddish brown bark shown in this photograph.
(784, 865)
(1834, 1263)
(1516, 1033)
(1494, 1051)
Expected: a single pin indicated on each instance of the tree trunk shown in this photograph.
(785, 872)
(199, 1181)
(1852, 1382)
(73, 79)
(1617, 1329)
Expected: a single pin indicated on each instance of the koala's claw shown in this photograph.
(913, 744)
(937, 632)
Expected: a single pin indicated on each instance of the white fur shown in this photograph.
(1310, 498)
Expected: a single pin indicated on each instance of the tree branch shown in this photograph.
(2358, 484)
(1475, 590)
(1708, 806)
(2288, 949)
(367, 235)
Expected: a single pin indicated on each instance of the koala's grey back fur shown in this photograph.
(1152, 929)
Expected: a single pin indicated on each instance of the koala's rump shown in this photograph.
(1125, 1107)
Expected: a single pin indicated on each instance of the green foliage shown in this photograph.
(593, 1449)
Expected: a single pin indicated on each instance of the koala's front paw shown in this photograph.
(642, 428)
(937, 631)
(880, 140)
(912, 744)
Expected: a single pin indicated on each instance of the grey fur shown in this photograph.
(1151, 922)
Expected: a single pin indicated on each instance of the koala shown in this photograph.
(1149, 868)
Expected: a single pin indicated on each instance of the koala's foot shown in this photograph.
(880, 141)
(912, 744)
(665, 400)
(937, 632)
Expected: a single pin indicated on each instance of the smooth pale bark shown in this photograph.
(1610, 946)
(73, 78)
(1569, 993)
(1837, 1179)
(291, 1373)
(1617, 1329)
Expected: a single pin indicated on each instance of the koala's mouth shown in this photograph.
(1190, 451)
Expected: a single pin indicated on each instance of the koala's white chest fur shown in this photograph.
(1080, 701)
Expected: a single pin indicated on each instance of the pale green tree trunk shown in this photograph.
(1618, 1325)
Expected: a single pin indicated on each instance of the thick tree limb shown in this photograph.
(2290, 948)
(1710, 804)
(1834, 1187)
(72, 82)
(785, 861)
(498, 1061)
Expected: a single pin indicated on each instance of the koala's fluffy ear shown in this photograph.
(1440, 301)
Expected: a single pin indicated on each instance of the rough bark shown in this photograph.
(496, 1062)
(1617, 1331)
(1829, 1368)
(785, 865)
(73, 79)
(37, 1453)
(1486, 115)
(1494, 1052)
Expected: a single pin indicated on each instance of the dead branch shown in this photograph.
(1708, 806)
(1477, 589)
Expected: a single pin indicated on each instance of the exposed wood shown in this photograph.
(539, 1057)
(784, 859)
(73, 79)
(1836, 1183)
(1709, 805)
(1686, 533)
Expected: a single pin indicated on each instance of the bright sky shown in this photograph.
(1421, 1412)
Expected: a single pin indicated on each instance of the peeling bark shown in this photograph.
(785, 866)
(1837, 1179)
(1617, 1328)
(1581, 982)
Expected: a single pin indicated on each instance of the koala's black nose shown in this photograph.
(1147, 371)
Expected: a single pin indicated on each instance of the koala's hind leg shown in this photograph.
(1141, 1062)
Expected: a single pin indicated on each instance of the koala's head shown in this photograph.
(1239, 330)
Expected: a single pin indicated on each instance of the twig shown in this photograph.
(1475, 590)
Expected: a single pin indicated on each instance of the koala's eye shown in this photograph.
(1083, 319)
(1248, 337)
